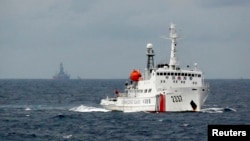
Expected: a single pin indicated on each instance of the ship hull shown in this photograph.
(173, 100)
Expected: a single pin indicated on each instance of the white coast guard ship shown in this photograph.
(161, 88)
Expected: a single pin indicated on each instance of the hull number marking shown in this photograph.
(176, 98)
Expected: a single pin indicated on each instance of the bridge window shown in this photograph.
(149, 90)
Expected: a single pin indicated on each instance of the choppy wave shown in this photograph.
(218, 110)
(83, 108)
(27, 109)
(67, 136)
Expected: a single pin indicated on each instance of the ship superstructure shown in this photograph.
(161, 88)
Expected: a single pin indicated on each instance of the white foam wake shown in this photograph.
(83, 108)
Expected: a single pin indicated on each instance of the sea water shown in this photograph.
(51, 110)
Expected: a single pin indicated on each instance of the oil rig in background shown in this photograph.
(61, 75)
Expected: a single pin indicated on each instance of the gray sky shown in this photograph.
(107, 38)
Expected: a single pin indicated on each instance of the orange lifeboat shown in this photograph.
(135, 75)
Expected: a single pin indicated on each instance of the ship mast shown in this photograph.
(173, 36)
(61, 68)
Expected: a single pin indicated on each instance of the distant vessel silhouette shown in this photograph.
(61, 75)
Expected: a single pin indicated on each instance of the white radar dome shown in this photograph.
(172, 25)
(149, 45)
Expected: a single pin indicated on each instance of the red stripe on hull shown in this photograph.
(161, 103)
